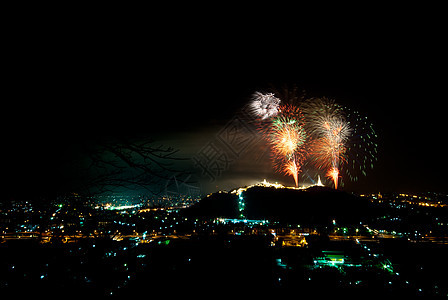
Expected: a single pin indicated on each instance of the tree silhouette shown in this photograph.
(123, 164)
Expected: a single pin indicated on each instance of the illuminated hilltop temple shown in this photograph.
(265, 183)
(276, 185)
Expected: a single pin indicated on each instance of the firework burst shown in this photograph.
(330, 131)
(314, 133)
(361, 147)
(288, 140)
(264, 106)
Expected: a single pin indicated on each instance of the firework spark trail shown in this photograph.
(330, 131)
(336, 131)
(361, 147)
(288, 140)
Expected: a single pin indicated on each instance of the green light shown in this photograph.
(388, 266)
(166, 242)
(241, 205)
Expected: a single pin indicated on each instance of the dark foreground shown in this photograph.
(222, 265)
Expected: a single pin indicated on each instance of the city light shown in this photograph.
(138, 230)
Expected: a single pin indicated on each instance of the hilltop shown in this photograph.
(314, 205)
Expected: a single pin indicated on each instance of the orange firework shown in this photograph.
(291, 168)
(333, 174)
(330, 130)
(287, 137)
(315, 132)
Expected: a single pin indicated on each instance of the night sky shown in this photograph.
(71, 87)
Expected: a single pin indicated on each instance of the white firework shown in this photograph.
(264, 106)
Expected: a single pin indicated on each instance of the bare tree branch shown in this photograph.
(128, 165)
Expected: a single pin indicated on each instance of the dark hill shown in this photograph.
(215, 205)
(315, 205)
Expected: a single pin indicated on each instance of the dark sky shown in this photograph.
(74, 85)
